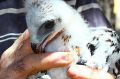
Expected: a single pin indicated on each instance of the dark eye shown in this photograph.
(46, 27)
(49, 24)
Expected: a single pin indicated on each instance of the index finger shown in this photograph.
(38, 62)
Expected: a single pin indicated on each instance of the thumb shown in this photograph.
(19, 49)
(24, 36)
(22, 45)
(83, 72)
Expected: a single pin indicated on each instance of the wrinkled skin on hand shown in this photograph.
(19, 61)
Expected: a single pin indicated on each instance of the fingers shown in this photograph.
(37, 62)
(83, 72)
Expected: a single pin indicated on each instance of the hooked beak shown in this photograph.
(40, 47)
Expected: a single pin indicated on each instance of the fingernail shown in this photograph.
(26, 32)
(67, 56)
(61, 58)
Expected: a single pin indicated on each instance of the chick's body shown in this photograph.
(47, 19)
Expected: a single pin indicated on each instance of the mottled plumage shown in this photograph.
(55, 26)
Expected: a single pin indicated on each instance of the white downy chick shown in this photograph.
(56, 27)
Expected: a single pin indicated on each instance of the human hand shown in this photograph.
(83, 72)
(19, 61)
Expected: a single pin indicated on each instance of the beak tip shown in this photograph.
(34, 48)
